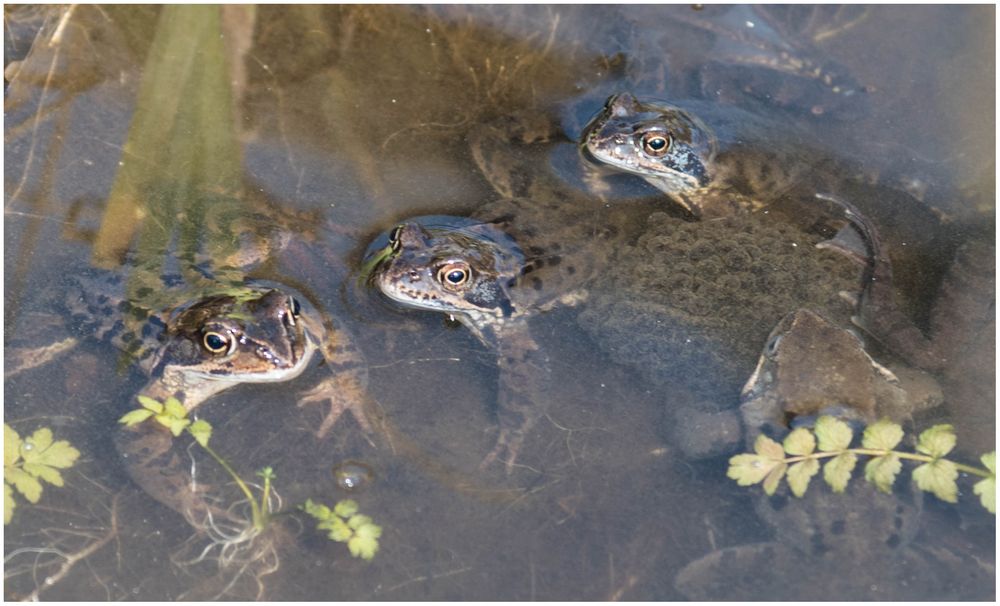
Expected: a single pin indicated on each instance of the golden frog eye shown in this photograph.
(454, 274)
(218, 343)
(656, 144)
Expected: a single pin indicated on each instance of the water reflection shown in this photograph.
(129, 146)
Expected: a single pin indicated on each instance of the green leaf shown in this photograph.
(881, 435)
(837, 471)
(800, 442)
(799, 475)
(339, 530)
(44, 472)
(173, 408)
(39, 441)
(767, 447)
(773, 479)
(833, 434)
(24, 483)
(316, 510)
(150, 404)
(135, 417)
(60, 454)
(365, 545)
(936, 441)
(358, 520)
(749, 469)
(990, 462)
(8, 503)
(11, 446)
(175, 425)
(201, 431)
(267, 473)
(987, 488)
(882, 471)
(987, 491)
(938, 477)
(345, 508)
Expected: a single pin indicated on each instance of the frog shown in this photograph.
(691, 303)
(494, 272)
(859, 545)
(811, 366)
(220, 335)
(765, 57)
(715, 161)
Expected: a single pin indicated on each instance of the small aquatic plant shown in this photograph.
(346, 525)
(343, 521)
(798, 457)
(29, 461)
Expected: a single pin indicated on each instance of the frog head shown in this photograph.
(667, 146)
(246, 335)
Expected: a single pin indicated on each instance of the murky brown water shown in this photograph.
(123, 125)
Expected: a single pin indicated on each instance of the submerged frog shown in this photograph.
(811, 366)
(493, 272)
(720, 161)
(253, 332)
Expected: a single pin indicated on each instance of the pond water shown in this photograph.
(294, 135)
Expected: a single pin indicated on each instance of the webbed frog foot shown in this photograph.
(345, 394)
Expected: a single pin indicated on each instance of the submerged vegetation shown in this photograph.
(343, 522)
(798, 457)
(28, 462)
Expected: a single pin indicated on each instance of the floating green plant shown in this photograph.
(29, 461)
(346, 525)
(797, 459)
(344, 522)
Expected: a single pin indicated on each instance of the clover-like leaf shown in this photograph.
(881, 435)
(339, 530)
(799, 475)
(748, 469)
(800, 442)
(25, 483)
(987, 491)
(135, 417)
(44, 472)
(987, 487)
(882, 471)
(267, 473)
(345, 508)
(317, 510)
(358, 520)
(364, 543)
(939, 478)
(150, 404)
(11, 446)
(837, 471)
(936, 441)
(173, 408)
(201, 431)
(59, 454)
(8, 503)
(37, 442)
(832, 434)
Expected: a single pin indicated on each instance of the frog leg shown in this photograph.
(347, 389)
(524, 379)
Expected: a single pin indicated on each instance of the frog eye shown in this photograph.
(218, 343)
(394, 237)
(656, 144)
(454, 274)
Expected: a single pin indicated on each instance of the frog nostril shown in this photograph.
(414, 276)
